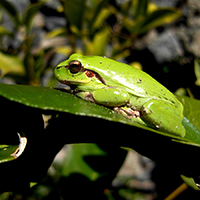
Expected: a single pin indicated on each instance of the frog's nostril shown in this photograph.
(58, 67)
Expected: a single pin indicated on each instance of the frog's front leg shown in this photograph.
(164, 116)
(106, 96)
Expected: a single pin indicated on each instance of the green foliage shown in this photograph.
(88, 21)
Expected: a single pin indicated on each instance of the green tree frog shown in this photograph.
(130, 91)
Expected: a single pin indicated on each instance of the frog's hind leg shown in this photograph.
(163, 116)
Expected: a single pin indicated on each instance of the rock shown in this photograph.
(166, 47)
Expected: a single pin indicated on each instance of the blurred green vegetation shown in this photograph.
(95, 27)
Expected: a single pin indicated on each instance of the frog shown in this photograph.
(127, 90)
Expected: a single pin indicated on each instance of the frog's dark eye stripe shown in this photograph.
(75, 67)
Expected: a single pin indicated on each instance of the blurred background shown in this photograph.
(161, 37)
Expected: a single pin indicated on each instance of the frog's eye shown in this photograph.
(75, 66)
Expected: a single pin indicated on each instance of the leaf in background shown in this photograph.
(100, 17)
(90, 166)
(191, 110)
(6, 152)
(153, 20)
(140, 8)
(56, 32)
(11, 152)
(10, 9)
(4, 31)
(11, 64)
(190, 182)
(99, 6)
(74, 10)
(96, 47)
(74, 161)
(30, 14)
(197, 71)
(191, 121)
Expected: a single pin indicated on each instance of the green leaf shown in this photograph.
(75, 163)
(10, 9)
(190, 182)
(10, 150)
(74, 10)
(51, 99)
(191, 121)
(6, 152)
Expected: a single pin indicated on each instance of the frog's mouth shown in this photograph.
(74, 82)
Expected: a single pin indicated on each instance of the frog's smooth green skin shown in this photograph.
(131, 92)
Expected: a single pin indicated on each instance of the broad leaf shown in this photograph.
(55, 100)
(51, 99)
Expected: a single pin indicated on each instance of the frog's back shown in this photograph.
(124, 76)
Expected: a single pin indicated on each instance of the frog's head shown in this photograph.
(74, 71)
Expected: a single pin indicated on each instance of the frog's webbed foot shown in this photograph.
(130, 113)
(127, 112)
